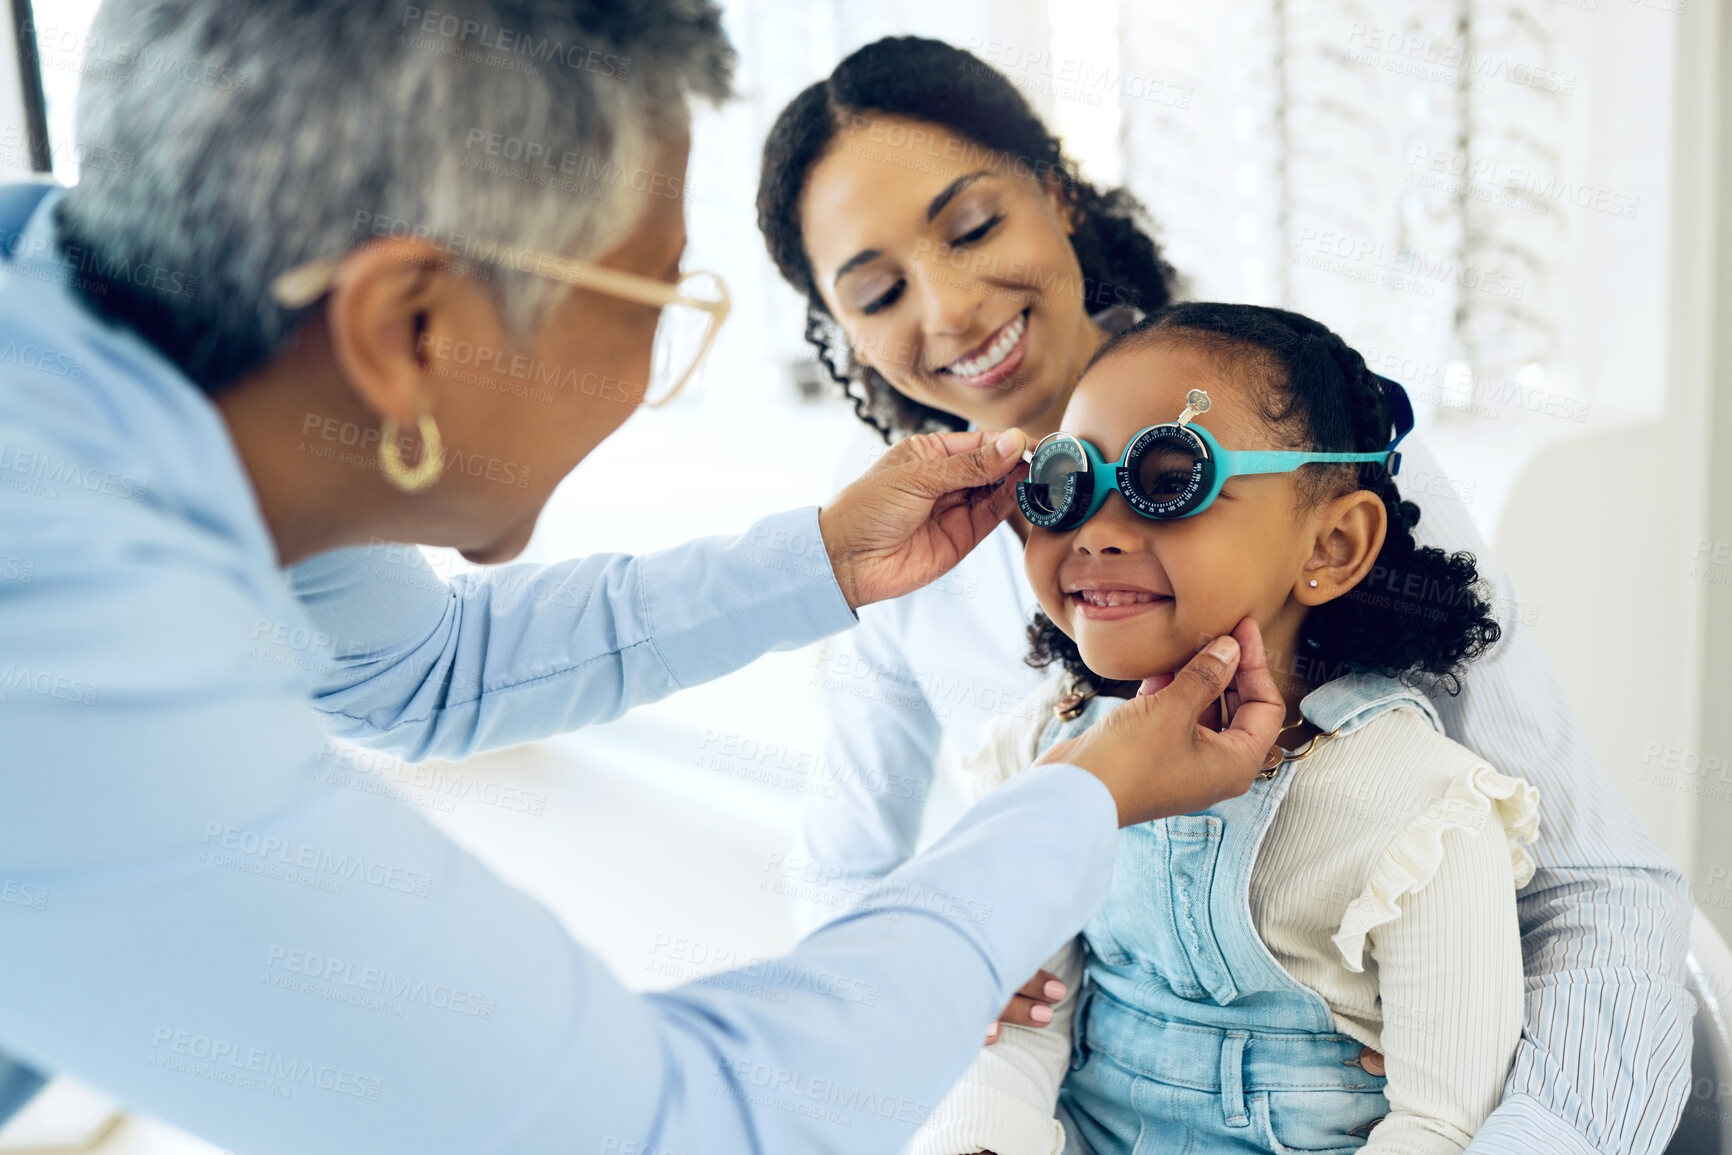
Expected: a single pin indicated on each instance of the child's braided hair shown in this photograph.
(1419, 610)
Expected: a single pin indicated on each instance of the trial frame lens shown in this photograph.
(1165, 471)
(1052, 475)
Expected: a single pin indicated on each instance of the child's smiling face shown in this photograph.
(1140, 596)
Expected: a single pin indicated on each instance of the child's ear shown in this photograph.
(1350, 532)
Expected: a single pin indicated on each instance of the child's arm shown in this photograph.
(1449, 963)
(1005, 1102)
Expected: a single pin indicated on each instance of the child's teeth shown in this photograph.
(1116, 597)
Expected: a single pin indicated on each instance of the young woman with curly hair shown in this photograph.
(959, 272)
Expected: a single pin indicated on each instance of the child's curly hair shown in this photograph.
(1419, 610)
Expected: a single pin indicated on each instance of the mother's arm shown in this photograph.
(1603, 1063)
(880, 747)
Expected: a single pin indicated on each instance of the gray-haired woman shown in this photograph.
(298, 314)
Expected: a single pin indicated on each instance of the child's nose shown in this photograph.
(1116, 528)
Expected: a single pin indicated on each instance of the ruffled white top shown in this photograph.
(1385, 882)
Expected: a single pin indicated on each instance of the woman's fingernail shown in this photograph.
(992, 1032)
(1009, 442)
(1223, 647)
(1040, 1013)
(1053, 989)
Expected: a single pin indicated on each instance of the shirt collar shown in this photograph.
(179, 442)
(1351, 701)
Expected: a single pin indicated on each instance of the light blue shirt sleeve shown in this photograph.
(201, 925)
(430, 668)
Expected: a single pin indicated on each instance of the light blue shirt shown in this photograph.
(168, 843)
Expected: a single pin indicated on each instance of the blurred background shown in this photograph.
(1517, 209)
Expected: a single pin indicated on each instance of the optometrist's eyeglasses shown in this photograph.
(692, 308)
(1168, 471)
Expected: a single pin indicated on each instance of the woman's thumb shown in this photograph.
(982, 466)
(1206, 676)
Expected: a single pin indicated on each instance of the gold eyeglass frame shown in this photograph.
(306, 283)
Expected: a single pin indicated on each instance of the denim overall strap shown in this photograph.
(1187, 1023)
(1175, 932)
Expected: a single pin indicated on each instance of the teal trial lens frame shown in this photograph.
(1169, 471)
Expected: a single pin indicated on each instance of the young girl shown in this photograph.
(1362, 894)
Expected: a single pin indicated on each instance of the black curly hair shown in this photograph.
(941, 84)
(1420, 610)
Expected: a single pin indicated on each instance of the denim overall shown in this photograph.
(1189, 1037)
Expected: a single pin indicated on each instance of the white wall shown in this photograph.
(1709, 136)
(1599, 527)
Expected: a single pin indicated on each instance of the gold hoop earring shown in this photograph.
(426, 471)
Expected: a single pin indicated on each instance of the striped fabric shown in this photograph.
(1604, 1062)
